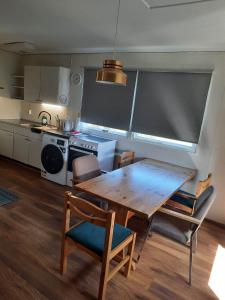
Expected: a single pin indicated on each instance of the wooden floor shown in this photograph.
(30, 232)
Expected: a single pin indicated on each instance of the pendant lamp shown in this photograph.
(112, 71)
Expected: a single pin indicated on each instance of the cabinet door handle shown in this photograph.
(26, 139)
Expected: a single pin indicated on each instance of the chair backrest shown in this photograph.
(202, 199)
(126, 158)
(91, 213)
(207, 199)
(85, 167)
(203, 185)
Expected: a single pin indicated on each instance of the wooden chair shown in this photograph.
(98, 236)
(179, 226)
(185, 202)
(125, 158)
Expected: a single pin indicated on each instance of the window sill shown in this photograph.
(191, 149)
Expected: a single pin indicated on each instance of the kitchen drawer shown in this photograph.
(35, 136)
(22, 131)
(6, 127)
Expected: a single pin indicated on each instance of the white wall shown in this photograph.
(9, 64)
(209, 155)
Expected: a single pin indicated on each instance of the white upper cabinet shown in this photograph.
(32, 76)
(47, 84)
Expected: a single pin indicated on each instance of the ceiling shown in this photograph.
(69, 26)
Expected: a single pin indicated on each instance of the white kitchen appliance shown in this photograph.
(67, 125)
(86, 144)
(54, 156)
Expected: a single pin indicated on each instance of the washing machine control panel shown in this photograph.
(60, 142)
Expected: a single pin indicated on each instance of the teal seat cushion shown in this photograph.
(92, 236)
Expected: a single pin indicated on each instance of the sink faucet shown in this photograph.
(44, 120)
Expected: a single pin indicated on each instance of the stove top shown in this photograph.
(88, 138)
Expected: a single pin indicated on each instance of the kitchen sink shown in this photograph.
(30, 125)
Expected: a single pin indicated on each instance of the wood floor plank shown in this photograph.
(14, 287)
(30, 236)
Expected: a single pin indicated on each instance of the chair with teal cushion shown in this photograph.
(93, 236)
(98, 235)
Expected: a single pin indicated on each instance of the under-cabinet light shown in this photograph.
(52, 105)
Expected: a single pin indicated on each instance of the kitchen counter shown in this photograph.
(37, 126)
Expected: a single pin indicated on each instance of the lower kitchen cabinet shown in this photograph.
(6, 143)
(28, 149)
(21, 148)
(21, 144)
(35, 150)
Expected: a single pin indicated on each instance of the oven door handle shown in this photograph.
(81, 151)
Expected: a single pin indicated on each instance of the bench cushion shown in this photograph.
(92, 236)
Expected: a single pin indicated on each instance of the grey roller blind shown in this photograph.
(107, 105)
(171, 104)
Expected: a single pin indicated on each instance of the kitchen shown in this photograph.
(23, 138)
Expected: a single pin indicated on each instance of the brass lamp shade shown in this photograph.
(112, 73)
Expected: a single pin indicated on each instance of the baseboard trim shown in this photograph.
(216, 223)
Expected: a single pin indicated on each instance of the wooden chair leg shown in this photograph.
(103, 280)
(63, 262)
(130, 253)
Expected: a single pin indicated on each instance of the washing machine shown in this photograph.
(54, 157)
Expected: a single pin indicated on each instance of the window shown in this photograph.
(107, 105)
(163, 108)
(171, 104)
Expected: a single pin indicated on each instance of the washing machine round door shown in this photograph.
(52, 159)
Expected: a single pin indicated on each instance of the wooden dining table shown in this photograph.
(140, 188)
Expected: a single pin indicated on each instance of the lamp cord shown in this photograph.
(116, 31)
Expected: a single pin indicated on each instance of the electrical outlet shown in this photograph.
(30, 112)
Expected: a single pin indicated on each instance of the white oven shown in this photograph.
(85, 144)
